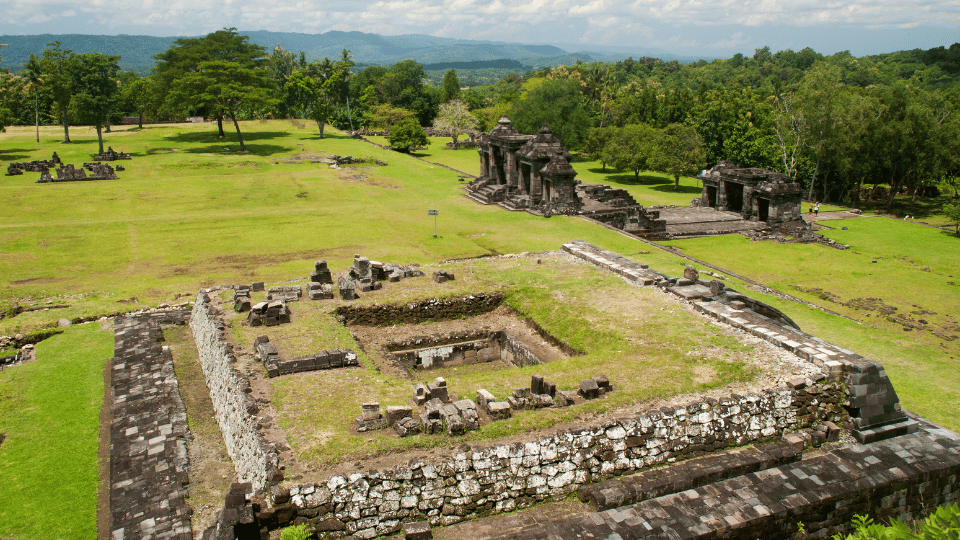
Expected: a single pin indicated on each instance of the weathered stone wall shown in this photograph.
(255, 461)
(510, 476)
(414, 312)
(513, 351)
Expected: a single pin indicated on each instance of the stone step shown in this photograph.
(902, 477)
(686, 475)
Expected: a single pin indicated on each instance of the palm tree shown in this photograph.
(33, 72)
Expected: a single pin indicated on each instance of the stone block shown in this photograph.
(484, 398)
(499, 410)
(589, 389)
(565, 398)
(419, 530)
(536, 384)
(691, 273)
(603, 383)
(370, 411)
(395, 413)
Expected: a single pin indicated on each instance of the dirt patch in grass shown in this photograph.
(211, 470)
(374, 340)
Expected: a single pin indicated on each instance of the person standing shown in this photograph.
(816, 209)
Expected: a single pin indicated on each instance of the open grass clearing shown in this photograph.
(898, 281)
(651, 346)
(50, 415)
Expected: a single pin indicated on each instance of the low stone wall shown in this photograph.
(505, 477)
(414, 312)
(255, 461)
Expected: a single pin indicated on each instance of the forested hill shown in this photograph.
(137, 52)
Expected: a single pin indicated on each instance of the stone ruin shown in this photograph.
(757, 194)
(269, 313)
(365, 275)
(442, 276)
(329, 359)
(38, 166)
(533, 173)
(110, 155)
(68, 173)
(321, 274)
(286, 293)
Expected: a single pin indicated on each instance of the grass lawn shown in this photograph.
(899, 281)
(49, 411)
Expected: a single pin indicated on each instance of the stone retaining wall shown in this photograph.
(505, 477)
(255, 461)
(414, 312)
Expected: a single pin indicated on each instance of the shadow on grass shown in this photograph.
(669, 188)
(922, 208)
(16, 154)
(217, 144)
(629, 179)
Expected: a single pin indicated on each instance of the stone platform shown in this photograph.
(900, 477)
(705, 221)
(148, 434)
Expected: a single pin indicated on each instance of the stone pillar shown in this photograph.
(536, 184)
(484, 167)
(510, 168)
(721, 195)
(493, 163)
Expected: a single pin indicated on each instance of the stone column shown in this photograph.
(536, 183)
(511, 169)
(484, 167)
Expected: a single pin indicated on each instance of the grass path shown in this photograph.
(49, 411)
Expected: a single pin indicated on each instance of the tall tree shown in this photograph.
(631, 147)
(818, 97)
(226, 73)
(790, 125)
(95, 90)
(557, 103)
(679, 151)
(58, 66)
(451, 86)
(455, 119)
(139, 96)
(33, 72)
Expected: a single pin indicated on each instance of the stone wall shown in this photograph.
(255, 461)
(513, 351)
(414, 312)
(505, 477)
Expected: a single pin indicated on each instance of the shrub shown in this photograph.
(297, 532)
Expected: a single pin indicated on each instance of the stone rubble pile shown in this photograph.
(241, 298)
(329, 359)
(287, 293)
(319, 291)
(270, 313)
(442, 276)
(321, 274)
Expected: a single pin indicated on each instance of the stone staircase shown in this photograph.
(486, 191)
(516, 203)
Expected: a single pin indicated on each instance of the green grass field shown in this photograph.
(192, 211)
(50, 414)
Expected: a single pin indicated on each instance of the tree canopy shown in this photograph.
(220, 72)
(406, 134)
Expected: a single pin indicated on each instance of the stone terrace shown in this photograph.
(148, 434)
(901, 477)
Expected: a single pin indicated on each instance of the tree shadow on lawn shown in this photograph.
(16, 154)
(922, 208)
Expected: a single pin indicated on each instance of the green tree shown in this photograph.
(597, 139)
(952, 211)
(95, 90)
(386, 116)
(407, 134)
(455, 118)
(451, 86)
(58, 67)
(559, 104)
(631, 147)
(317, 89)
(679, 151)
(139, 97)
(221, 72)
(33, 72)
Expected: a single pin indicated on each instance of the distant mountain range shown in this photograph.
(136, 52)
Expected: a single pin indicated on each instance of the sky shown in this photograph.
(694, 27)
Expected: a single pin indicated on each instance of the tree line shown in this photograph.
(838, 124)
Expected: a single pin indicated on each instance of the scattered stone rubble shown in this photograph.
(286, 293)
(37, 166)
(110, 155)
(67, 173)
(241, 298)
(270, 313)
(442, 276)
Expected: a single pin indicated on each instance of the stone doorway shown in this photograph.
(734, 196)
(763, 209)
